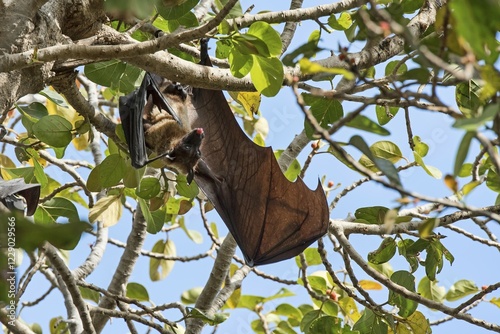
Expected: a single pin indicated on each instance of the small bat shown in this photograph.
(11, 189)
(271, 218)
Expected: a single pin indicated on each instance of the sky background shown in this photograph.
(472, 261)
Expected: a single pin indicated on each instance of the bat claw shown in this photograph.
(190, 176)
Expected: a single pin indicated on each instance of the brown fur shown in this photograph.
(162, 132)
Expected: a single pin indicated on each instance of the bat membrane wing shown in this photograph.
(271, 218)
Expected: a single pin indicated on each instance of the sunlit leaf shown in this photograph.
(460, 289)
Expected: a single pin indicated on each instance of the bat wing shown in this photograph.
(131, 109)
(271, 218)
(30, 192)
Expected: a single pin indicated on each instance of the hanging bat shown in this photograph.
(11, 190)
(271, 218)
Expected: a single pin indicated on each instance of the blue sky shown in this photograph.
(286, 120)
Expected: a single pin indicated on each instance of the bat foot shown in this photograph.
(190, 176)
(177, 89)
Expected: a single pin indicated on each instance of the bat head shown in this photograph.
(186, 153)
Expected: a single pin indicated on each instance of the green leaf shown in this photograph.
(148, 188)
(326, 111)
(312, 257)
(188, 20)
(223, 47)
(370, 323)
(403, 245)
(58, 326)
(114, 74)
(53, 130)
(364, 123)
(473, 124)
(176, 10)
(406, 306)
(430, 290)
(288, 311)
(294, 168)
(418, 246)
(223, 28)
(344, 22)
(478, 25)
(427, 226)
(236, 11)
(384, 253)
(493, 180)
(89, 294)
(265, 32)
(371, 215)
(420, 147)
(39, 172)
(421, 75)
(414, 324)
(153, 225)
(54, 96)
(35, 111)
(29, 236)
(385, 114)
(434, 258)
(159, 268)
(385, 166)
(391, 66)
(173, 205)
(239, 64)
(184, 189)
(317, 283)
(212, 321)
(384, 268)
(137, 291)
(410, 6)
(267, 75)
(325, 324)
(27, 173)
(467, 188)
(48, 212)
(432, 171)
(467, 98)
(131, 175)
(308, 319)
(382, 149)
(191, 296)
(460, 289)
(108, 174)
(250, 302)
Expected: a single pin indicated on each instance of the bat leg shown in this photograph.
(204, 58)
(176, 89)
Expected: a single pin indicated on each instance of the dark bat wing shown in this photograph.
(271, 218)
(30, 192)
(131, 109)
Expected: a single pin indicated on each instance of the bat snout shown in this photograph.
(200, 132)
